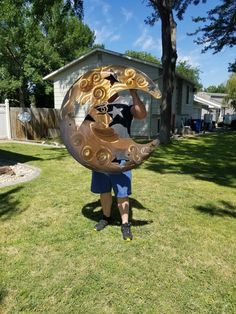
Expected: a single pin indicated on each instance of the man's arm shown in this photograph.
(138, 109)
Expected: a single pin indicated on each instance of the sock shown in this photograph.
(106, 218)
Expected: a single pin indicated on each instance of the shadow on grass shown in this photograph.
(224, 209)
(209, 157)
(90, 211)
(3, 295)
(9, 206)
(46, 153)
(13, 158)
(52, 153)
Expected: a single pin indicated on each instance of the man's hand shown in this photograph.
(138, 109)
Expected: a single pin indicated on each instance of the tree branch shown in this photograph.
(10, 53)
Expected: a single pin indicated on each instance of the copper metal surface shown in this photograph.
(93, 143)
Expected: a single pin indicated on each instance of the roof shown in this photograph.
(94, 51)
(217, 94)
(51, 75)
(209, 103)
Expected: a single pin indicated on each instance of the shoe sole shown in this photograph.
(128, 240)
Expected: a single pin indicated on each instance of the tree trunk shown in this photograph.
(169, 57)
(21, 97)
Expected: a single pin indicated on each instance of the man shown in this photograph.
(122, 110)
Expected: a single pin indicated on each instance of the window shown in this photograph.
(179, 96)
(187, 94)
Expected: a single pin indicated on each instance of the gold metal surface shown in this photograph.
(93, 143)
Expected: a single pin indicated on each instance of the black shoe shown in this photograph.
(101, 225)
(126, 232)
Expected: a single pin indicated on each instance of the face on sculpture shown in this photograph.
(93, 143)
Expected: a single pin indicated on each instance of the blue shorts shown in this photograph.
(104, 183)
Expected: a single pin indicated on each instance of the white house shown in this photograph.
(205, 106)
(182, 103)
(213, 104)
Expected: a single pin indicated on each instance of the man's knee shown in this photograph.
(123, 202)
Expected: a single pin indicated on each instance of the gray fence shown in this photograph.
(43, 123)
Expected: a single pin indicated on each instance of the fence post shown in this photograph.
(8, 121)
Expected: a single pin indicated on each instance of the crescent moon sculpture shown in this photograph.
(93, 143)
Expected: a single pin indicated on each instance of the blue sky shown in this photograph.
(120, 26)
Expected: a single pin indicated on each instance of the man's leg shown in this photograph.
(106, 202)
(122, 187)
(123, 205)
(101, 184)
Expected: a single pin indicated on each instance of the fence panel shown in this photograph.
(42, 120)
(3, 126)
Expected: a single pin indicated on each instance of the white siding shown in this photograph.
(187, 104)
(65, 80)
(141, 127)
(197, 111)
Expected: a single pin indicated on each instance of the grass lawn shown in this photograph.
(182, 258)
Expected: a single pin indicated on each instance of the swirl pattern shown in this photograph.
(99, 94)
(85, 85)
(87, 153)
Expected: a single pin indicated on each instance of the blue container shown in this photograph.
(196, 125)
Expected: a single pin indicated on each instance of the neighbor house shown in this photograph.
(205, 107)
(214, 104)
(182, 102)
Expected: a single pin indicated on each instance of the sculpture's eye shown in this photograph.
(102, 109)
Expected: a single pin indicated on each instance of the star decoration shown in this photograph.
(116, 112)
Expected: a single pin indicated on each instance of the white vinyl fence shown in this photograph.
(5, 127)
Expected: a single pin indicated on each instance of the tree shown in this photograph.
(37, 37)
(163, 10)
(216, 89)
(219, 29)
(189, 72)
(142, 56)
(231, 90)
(232, 67)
